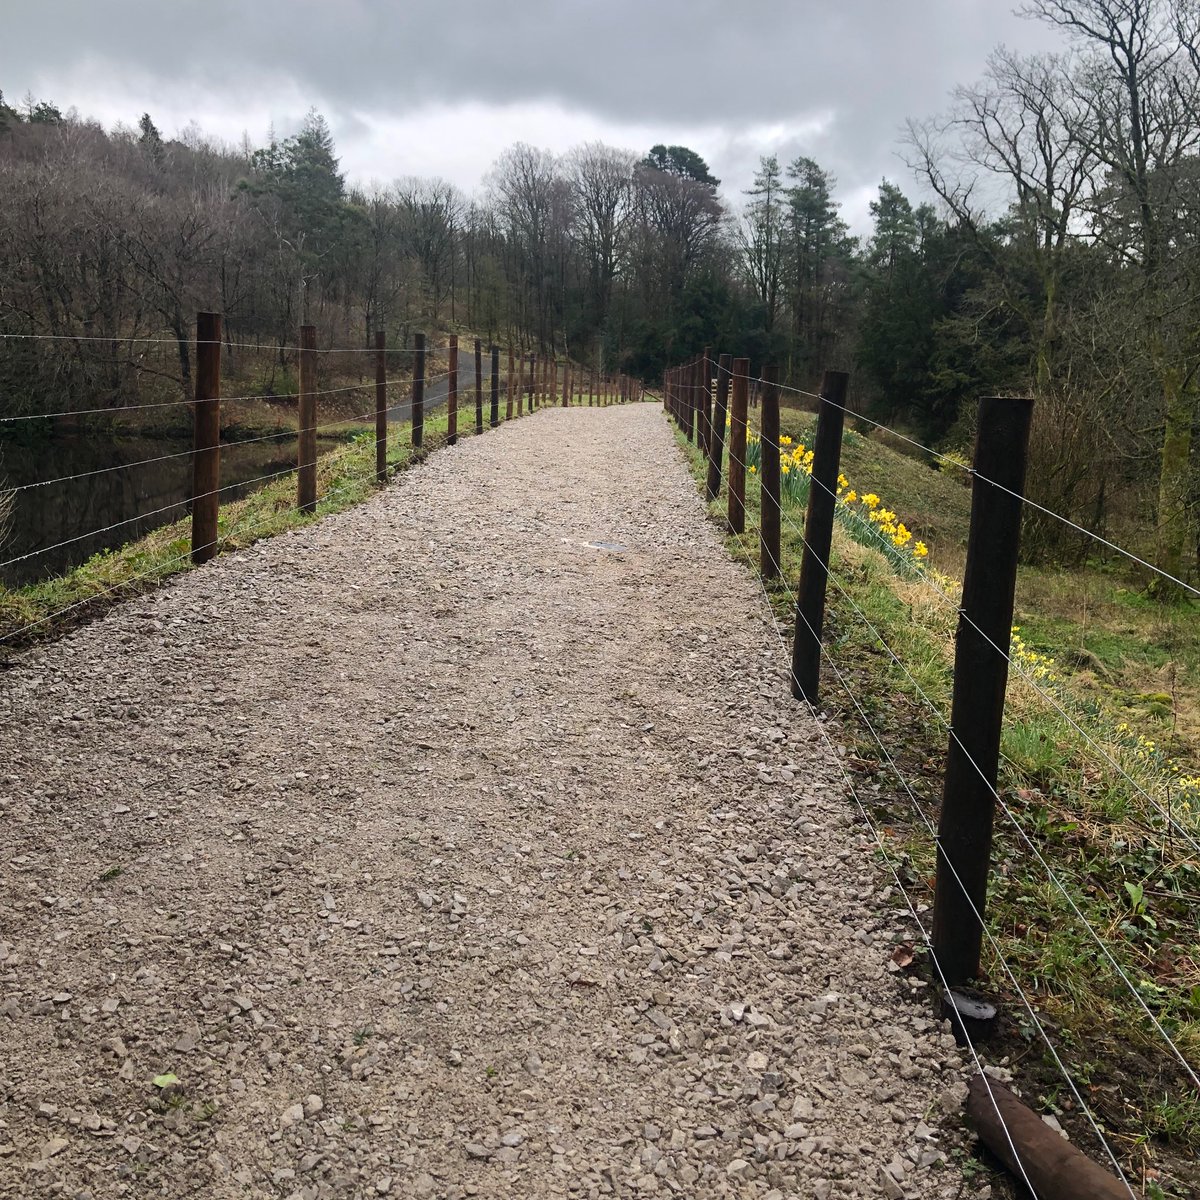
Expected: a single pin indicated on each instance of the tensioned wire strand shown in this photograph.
(828, 657)
(288, 433)
(1165, 813)
(264, 347)
(258, 479)
(996, 948)
(284, 433)
(160, 567)
(157, 570)
(1049, 512)
(1015, 823)
(224, 538)
(83, 412)
(852, 791)
(1012, 819)
(1047, 696)
(1025, 1000)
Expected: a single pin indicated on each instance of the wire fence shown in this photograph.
(475, 393)
(690, 397)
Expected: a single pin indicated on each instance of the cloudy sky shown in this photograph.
(414, 87)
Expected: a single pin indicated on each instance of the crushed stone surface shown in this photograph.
(465, 843)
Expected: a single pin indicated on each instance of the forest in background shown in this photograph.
(1059, 257)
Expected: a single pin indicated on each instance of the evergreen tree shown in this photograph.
(149, 138)
(679, 160)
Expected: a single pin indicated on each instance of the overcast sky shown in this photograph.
(413, 87)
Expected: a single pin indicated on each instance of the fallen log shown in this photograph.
(1054, 1168)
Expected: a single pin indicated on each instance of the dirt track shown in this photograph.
(463, 843)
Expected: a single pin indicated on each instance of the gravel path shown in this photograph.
(465, 843)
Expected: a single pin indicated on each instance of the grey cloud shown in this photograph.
(700, 64)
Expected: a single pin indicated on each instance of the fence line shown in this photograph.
(963, 1028)
(687, 396)
(204, 498)
(1015, 664)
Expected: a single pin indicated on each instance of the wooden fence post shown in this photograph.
(737, 446)
(980, 679)
(306, 451)
(452, 393)
(702, 373)
(1035, 1152)
(527, 388)
(512, 375)
(818, 537)
(418, 391)
(770, 564)
(206, 438)
(381, 421)
(478, 388)
(494, 414)
(689, 373)
(591, 387)
(566, 395)
(717, 448)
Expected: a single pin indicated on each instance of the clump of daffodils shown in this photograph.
(797, 458)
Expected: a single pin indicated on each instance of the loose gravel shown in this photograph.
(465, 843)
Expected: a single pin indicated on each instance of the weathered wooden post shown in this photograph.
(737, 446)
(818, 537)
(306, 450)
(381, 421)
(702, 373)
(418, 391)
(206, 438)
(1033, 1151)
(452, 393)
(478, 388)
(494, 415)
(717, 446)
(770, 564)
(692, 406)
(980, 680)
(512, 385)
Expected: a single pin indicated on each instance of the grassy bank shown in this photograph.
(1085, 789)
(345, 476)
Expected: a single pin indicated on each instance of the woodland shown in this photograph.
(1045, 241)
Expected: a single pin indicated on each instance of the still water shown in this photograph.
(127, 497)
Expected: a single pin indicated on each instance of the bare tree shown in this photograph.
(601, 179)
(1141, 93)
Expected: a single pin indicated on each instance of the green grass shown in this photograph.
(1137, 883)
(345, 477)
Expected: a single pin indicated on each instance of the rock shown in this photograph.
(189, 1040)
(739, 1168)
(291, 1116)
(476, 1150)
